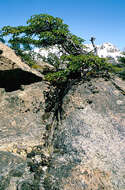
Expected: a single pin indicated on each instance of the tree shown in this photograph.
(43, 30)
(93, 44)
(122, 58)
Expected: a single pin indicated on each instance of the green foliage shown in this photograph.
(57, 77)
(2, 40)
(122, 60)
(54, 60)
(26, 57)
(120, 71)
(80, 66)
(43, 30)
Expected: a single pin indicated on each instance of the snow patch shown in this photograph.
(106, 50)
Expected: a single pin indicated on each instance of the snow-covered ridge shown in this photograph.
(106, 50)
(45, 51)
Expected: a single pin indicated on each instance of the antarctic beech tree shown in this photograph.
(43, 30)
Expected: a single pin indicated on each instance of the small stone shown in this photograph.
(119, 102)
(37, 158)
(13, 123)
(44, 168)
(29, 149)
(15, 150)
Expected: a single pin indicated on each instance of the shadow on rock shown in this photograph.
(12, 80)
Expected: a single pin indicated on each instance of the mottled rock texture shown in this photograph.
(91, 138)
(55, 139)
(24, 148)
(21, 116)
(9, 60)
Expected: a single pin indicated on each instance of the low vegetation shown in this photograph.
(121, 66)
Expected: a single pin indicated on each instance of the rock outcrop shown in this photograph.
(9, 60)
(22, 133)
(91, 138)
(70, 138)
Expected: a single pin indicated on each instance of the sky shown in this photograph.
(103, 19)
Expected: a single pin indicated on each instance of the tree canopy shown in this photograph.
(43, 30)
(122, 59)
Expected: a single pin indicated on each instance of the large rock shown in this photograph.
(83, 150)
(9, 60)
(11, 168)
(23, 137)
(21, 124)
(43, 67)
(90, 140)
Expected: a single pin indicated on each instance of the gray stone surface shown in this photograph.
(21, 123)
(83, 151)
(23, 137)
(9, 61)
(90, 141)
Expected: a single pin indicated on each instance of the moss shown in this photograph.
(46, 115)
(35, 66)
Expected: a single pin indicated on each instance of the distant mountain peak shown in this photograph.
(106, 50)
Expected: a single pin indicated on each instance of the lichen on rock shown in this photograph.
(69, 136)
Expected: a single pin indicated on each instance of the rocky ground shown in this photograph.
(90, 139)
(72, 139)
(84, 150)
